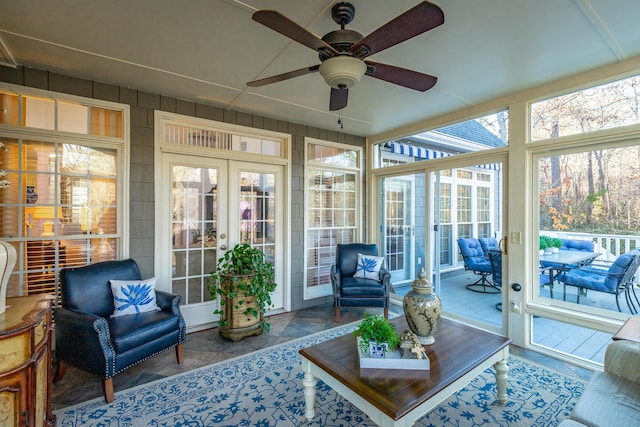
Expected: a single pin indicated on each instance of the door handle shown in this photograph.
(223, 247)
(502, 245)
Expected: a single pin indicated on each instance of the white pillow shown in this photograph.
(134, 296)
(368, 267)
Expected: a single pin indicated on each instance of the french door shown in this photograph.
(214, 204)
(399, 230)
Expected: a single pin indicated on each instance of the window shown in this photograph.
(474, 135)
(233, 140)
(607, 106)
(61, 205)
(45, 112)
(332, 187)
(587, 196)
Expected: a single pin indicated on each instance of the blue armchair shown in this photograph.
(349, 291)
(612, 278)
(89, 338)
(475, 261)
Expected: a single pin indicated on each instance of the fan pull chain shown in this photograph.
(340, 122)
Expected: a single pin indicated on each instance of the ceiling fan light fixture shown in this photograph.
(342, 71)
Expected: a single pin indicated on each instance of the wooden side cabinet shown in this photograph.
(25, 362)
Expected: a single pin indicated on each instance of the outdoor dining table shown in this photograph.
(565, 258)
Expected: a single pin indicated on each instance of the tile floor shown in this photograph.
(207, 347)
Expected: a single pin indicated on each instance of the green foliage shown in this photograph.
(549, 242)
(544, 242)
(238, 263)
(378, 329)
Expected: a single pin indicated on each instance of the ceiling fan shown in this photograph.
(342, 52)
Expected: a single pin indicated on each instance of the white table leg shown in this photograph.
(502, 374)
(309, 382)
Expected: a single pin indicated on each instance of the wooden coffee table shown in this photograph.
(400, 397)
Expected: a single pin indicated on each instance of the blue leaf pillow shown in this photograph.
(134, 296)
(368, 267)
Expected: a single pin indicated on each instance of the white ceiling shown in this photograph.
(206, 50)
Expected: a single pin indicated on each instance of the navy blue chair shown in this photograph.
(475, 261)
(89, 338)
(495, 259)
(612, 278)
(349, 291)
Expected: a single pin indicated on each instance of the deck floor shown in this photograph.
(577, 341)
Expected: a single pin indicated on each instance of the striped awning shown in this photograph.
(427, 153)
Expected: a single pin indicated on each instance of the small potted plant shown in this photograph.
(544, 244)
(243, 281)
(555, 244)
(376, 335)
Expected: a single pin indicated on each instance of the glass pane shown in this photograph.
(178, 134)
(479, 134)
(468, 210)
(257, 209)
(590, 202)
(194, 225)
(105, 122)
(585, 343)
(607, 106)
(403, 226)
(335, 156)
(9, 104)
(39, 112)
(73, 117)
(331, 198)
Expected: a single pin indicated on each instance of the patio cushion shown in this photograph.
(596, 278)
(474, 255)
(577, 245)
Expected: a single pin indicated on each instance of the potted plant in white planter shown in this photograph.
(376, 335)
(544, 244)
(243, 281)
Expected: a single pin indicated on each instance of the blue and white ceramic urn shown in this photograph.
(423, 309)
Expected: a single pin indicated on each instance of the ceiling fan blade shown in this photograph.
(283, 25)
(401, 76)
(338, 99)
(413, 22)
(284, 76)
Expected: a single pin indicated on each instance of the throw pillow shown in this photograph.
(134, 296)
(368, 267)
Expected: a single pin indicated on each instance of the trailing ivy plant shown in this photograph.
(377, 329)
(243, 262)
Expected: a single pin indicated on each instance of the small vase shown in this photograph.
(31, 196)
(377, 350)
(422, 309)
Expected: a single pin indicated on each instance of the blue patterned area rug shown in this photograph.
(264, 389)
